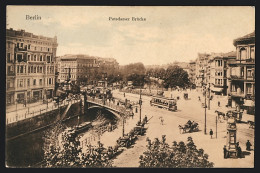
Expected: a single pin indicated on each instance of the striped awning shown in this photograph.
(217, 89)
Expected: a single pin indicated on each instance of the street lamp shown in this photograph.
(205, 106)
(140, 103)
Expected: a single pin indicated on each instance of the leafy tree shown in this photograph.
(180, 155)
(68, 152)
(176, 76)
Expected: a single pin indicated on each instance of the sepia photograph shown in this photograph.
(130, 86)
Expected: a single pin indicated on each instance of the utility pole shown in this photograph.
(209, 98)
(216, 126)
(205, 127)
(140, 103)
(123, 133)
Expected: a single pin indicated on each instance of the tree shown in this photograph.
(180, 155)
(68, 153)
(176, 76)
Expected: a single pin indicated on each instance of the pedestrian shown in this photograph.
(239, 152)
(218, 103)
(248, 145)
(124, 94)
(225, 151)
(211, 133)
(162, 121)
(145, 119)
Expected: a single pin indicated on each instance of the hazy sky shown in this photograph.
(168, 34)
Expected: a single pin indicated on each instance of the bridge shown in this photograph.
(111, 106)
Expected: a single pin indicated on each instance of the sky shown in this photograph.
(169, 33)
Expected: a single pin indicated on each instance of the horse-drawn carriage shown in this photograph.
(126, 141)
(189, 127)
(231, 113)
(236, 114)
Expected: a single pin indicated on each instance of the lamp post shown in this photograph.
(205, 106)
(209, 97)
(140, 103)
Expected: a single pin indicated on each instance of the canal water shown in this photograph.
(27, 151)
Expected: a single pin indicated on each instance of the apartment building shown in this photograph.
(192, 71)
(218, 71)
(201, 70)
(76, 68)
(30, 66)
(241, 74)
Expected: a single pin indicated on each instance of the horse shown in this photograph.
(183, 129)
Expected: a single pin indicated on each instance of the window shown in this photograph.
(40, 81)
(40, 69)
(249, 73)
(21, 45)
(34, 81)
(243, 54)
(28, 82)
(29, 46)
(41, 58)
(48, 59)
(8, 57)
(21, 69)
(49, 80)
(34, 57)
(20, 83)
(252, 52)
(19, 57)
(28, 57)
(34, 69)
(249, 88)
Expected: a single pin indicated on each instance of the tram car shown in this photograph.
(164, 102)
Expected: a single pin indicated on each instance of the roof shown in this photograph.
(75, 56)
(230, 54)
(249, 38)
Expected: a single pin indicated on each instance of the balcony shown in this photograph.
(250, 60)
(236, 77)
(20, 49)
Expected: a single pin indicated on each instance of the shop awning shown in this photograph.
(249, 103)
(217, 89)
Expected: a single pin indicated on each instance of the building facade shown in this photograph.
(218, 72)
(77, 68)
(201, 70)
(192, 72)
(241, 74)
(30, 66)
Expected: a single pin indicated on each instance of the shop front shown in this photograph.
(49, 93)
(20, 98)
(10, 98)
(37, 95)
(249, 106)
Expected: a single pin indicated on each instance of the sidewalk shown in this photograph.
(32, 110)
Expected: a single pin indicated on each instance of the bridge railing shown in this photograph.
(109, 104)
(21, 115)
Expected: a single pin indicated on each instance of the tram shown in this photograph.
(164, 102)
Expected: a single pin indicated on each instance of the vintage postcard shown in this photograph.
(130, 86)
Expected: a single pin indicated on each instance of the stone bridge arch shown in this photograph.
(104, 110)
